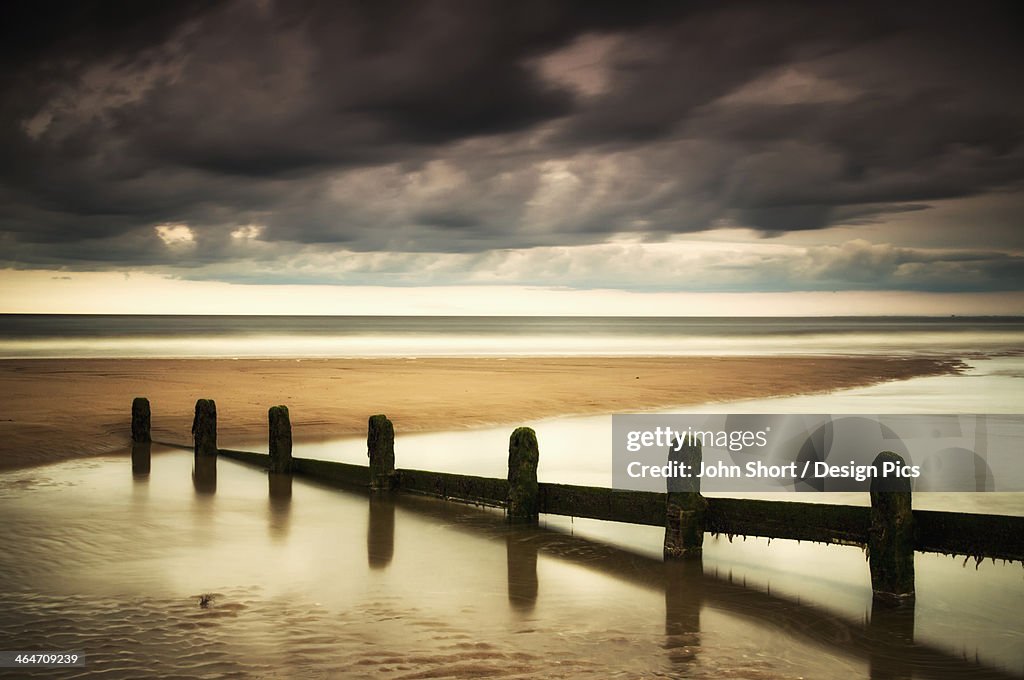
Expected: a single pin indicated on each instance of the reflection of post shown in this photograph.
(522, 569)
(204, 428)
(204, 474)
(685, 508)
(891, 537)
(140, 420)
(280, 491)
(140, 459)
(682, 610)
(892, 642)
(380, 448)
(280, 445)
(380, 531)
(523, 491)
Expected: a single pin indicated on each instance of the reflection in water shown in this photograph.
(683, 601)
(380, 531)
(892, 649)
(204, 474)
(78, 572)
(522, 568)
(280, 503)
(140, 459)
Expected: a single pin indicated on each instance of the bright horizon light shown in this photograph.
(57, 292)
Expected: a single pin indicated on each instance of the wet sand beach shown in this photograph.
(56, 409)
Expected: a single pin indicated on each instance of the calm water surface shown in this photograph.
(308, 581)
(360, 336)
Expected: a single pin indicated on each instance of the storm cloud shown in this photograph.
(247, 139)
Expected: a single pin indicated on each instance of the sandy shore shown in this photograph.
(56, 409)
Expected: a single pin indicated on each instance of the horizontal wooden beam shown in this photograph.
(968, 534)
(332, 471)
(843, 524)
(634, 507)
(322, 470)
(261, 459)
(953, 533)
(485, 490)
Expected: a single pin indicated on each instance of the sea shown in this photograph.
(63, 336)
(157, 570)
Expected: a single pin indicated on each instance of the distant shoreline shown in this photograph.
(284, 337)
(57, 409)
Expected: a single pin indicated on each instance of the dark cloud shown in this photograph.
(465, 127)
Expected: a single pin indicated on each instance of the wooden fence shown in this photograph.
(889, 529)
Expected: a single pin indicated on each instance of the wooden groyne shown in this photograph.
(889, 529)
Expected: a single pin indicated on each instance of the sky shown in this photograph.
(484, 157)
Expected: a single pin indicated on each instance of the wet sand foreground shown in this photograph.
(55, 409)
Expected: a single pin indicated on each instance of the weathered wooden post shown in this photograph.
(279, 487)
(380, 447)
(280, 439)
(204, 474)
(140, 420)
(685, 508)
(523, 491)
(891, 537)
(204, 428)
(140, 436)
(140, 458)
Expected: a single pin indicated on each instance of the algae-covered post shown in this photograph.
(523, 490)
(204, 428)
(891, 537)
(380, 447)
(280, 445)
(204, 474)
(141, 458)
(140, 420)
(685, 508)
(140, 436)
